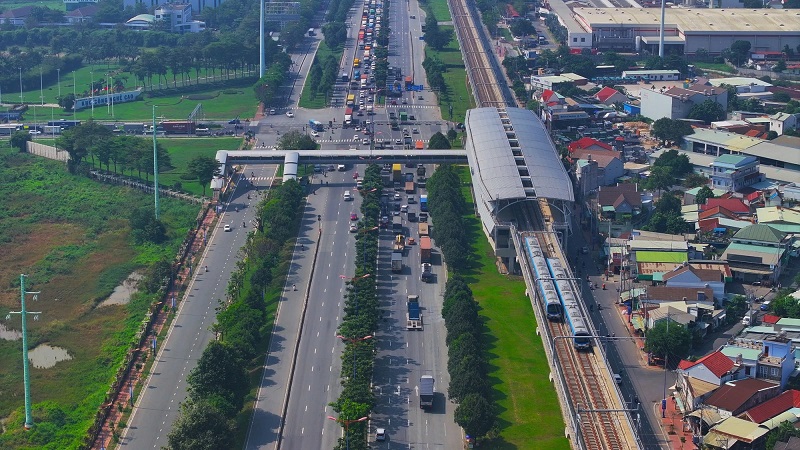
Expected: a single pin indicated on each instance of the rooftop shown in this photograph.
(701, 21)
(760, 233)
(702, 161)
(663, 257)
(667, 293)
(773, 407)
(731, 141)
(738, 81)
(734, 394)
(771, 214)
(716, 362)
(734, 205)
(735, 160)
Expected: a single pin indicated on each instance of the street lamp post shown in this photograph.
(346, 424)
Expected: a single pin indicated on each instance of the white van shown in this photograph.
(348, 196)
(747, 319)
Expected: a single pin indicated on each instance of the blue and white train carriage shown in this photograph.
(543, 280)
(569, 299)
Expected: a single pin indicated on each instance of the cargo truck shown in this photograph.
(423, 229)
(426, 392)
(397, 262)
(399, 244)
(178, 127)
(413, 316)
(423, 203)
(409, 81)
(397, 172)
(397, 225)
(403, 116)
(427, 273)
(409, 187)
(420, 170)
(425, 249)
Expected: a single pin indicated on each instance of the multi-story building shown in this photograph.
(735, 172)
(197, 5)
(179, 17)
(677, 102)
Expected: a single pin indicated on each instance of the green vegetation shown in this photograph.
(528, 412)
(438, 8)
(182, 151)
(457, 92)
(720, 67)
(73, 238)
(321, 77)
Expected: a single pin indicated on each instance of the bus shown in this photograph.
(316, 125)
(64, 124)
(351, 99)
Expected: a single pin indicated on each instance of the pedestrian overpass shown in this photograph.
(291, 159)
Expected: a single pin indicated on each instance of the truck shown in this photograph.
(397, 262)
(412, 216)
(420, 170)
(178, 126)
(345, 78)
(403, 116)
(348, 115)
(413, 316)
(316, 125)
(397, 172)
(423, 203)
(133, 127)
(397, 225)
(399, 244)
(427, 273)
(426, 392)
(351, 100)
(52, 130)
(425, 249)
(409, 187)
(409, 81)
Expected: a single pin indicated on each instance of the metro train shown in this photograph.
(542, 277)
(569, 301)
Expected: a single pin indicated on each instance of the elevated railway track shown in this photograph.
(592, 405)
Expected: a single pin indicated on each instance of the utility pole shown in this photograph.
(261, 61)
(155, 162)
(25, 371)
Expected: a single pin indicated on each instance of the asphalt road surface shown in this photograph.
(190, 332)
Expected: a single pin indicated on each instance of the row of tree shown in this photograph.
(361, 314)
(322, 75)
(434, 70)
(269, 89)
(447, 206)
(219, 383)
(466, 360)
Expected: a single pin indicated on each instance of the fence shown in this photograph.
(47, 151)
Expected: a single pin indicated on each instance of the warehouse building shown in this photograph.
(688, 29)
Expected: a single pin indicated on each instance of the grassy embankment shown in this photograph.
(529, 413)
(319, 100)
(71, 236)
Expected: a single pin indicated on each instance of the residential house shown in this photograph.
(16, 16)
(689, 196)
(700, 274)
(617, 201)
(770, 358)
(609, 166)
(782, 122)
(735, 172)
(552, 82)
(666, 312)
(782, 219)
(80, 15)
(652, 254)
(773, 407)
(757, 253)
(550, 97)
(714, 368)
(592, 145)
(587, 176)
(736, 397)
(733, 205)
(733, 430)
(609, 96)
(676, 102)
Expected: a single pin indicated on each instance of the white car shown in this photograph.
(365, 141)
(353, 228)
(380, 434)
(34, 132)
(289, 114)
(356, 138)
(314, 133)
(226, 227)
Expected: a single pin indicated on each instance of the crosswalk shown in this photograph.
(350, 141)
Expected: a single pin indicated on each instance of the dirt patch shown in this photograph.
(46, 356)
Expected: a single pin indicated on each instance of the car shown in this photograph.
(355, 176)
(393, 102)
(365, 141)
(34, 132)
(380, 434)
(617, 378)
(227, 227)
(412, 17)
(765, 306)
(410, 241)
(585, 250)
(317, 168)
(235, 121)
(314, 133)
(353, 216)
(397, 196)
(272, 112)
(365, 131)
(353, 228)
(289, 114)
(398, 141)
(411, 200)
(415, 130)
(404, 101)
(420, 98)
(404, 208)
(331, 168)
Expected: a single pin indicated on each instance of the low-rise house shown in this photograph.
(652, 254)
(782, 219)
(732, 204)
(689, 195)
(757, 253)
(782, 122)
(773, 407)
(609, 167)
(714, 368)
(16, 16)
(619, 200)
(81, 15)
(701, 274)
(732, 431)
(771, 358)
(736, 397)
(676, 102)
(591, 145)
(609, 96)
(735, 172)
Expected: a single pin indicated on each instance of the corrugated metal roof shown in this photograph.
(774, 214)
(665, 257)
(761, 233)
(490, 154)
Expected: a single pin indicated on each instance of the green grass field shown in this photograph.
(529, 412)
(458, 93)
(58, 5)
(320, 100)
(439, 9)
(221, 100)
(714, 66)
(69, 234)
(182, 150)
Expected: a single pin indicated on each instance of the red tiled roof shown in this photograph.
(706, 213)
(547, 94)
(770, 318)
(771, 408)
(708, 225)
(716, 362)
(606, 93)
(734, 205)
(733, 395)
(753, 196)
(586, 142)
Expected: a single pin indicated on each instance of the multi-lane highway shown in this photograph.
(156, 409)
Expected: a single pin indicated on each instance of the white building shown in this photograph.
(179, 16)
(782, 122)
(197, 5)
(676, 102)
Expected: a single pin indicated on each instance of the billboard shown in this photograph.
(104, 99)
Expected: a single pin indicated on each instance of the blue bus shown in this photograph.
(316, 125)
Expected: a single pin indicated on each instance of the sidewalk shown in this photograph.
(105, 438)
